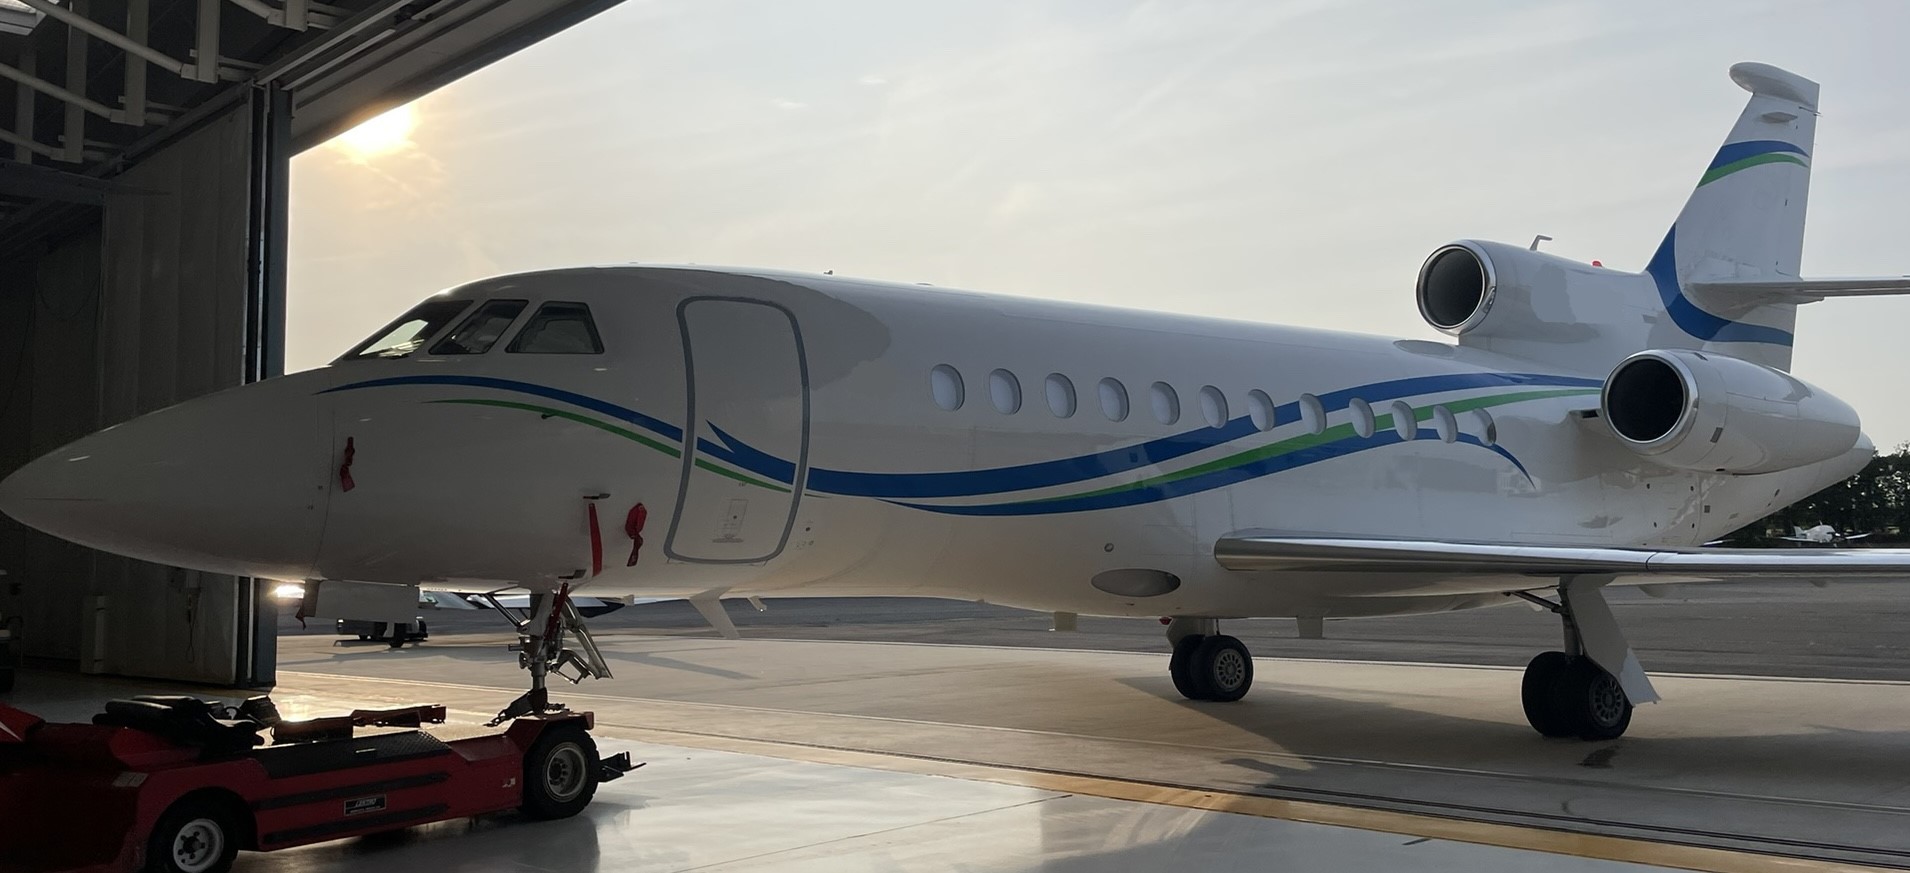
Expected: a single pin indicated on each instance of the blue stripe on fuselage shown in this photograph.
(1067, 471)
(1700, 324)
(621, 413)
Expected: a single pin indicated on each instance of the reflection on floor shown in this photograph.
(776, 754)
(721, 811)
(706, 810)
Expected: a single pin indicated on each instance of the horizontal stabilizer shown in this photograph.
(1428, 558)
(1759, 291)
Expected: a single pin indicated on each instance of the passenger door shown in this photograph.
(746, 435)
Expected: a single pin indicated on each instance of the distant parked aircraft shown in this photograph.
(1821, 535)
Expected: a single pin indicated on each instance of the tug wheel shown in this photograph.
(197, 835)
(560, 773)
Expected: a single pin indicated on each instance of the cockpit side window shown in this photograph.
(411, 330)
(481, 330)
(559, 329)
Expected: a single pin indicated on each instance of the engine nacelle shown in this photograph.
(1703, 411)
(1481, 289)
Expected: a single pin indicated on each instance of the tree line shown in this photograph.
(1875, 501)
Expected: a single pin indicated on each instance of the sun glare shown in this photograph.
(385, 133)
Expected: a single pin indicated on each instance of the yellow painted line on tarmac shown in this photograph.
(1607, 848)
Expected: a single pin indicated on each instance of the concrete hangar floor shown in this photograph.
(816, 744)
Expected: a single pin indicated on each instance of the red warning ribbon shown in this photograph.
(596, 543)
(345, 482)
(633, 527)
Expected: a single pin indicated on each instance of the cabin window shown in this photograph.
(1260, 409)
(1362, 414)
(1061, 399)
(1165, 402)
(411, 330)
(1445, 424)
(1405, 420)
(1113, 399)
(481, 330)
(559, 329)
(1312, 414)
(1488, 429)
(1005, 390)
(1213, 406)
(945, 382)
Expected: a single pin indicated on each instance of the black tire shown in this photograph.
(1223, 668)
(378, 630)
(197, 835)
(1180, 667)
(6, 679)
(560, 773)
(1540, 692)
(1593, 702)
(398, 633)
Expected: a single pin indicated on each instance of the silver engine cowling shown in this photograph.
(1707, 412)
(1483, 290)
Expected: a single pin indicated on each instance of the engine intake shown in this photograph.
(1456, 287)
(1702, 411)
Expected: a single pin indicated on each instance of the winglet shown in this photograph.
(1765, 80)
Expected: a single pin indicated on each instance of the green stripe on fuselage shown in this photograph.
(1332, 434)
(607, 427)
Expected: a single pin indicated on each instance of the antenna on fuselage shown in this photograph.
(1536, 240)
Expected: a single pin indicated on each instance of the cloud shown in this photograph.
(788, 105)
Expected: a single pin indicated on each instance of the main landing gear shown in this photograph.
(1567, 694)
(1208, 665)
(541, 633)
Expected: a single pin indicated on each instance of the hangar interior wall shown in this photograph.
(143, 307)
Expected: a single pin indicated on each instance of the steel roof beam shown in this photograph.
(100, 31)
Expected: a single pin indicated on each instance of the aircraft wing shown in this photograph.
(1796, 539)
(1426, 566)
(1856, 537)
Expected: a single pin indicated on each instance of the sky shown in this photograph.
(1288, 161)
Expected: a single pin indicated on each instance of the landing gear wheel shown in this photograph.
(1221, 668)
(1593, 701)
(1573, 697)
(1539, 694)
(1181, 666)
(197, 835)
(560, 773)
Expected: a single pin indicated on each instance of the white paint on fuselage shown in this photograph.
(449, 489)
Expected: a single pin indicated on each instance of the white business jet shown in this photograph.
(1821, 535)
(682, 431)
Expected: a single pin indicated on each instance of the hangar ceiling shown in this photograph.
(89, 86)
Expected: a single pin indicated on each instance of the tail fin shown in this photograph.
(1744, 221)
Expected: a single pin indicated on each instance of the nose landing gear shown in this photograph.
(541, 635)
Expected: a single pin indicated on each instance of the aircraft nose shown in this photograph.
(234, 482)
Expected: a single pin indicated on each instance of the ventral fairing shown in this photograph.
(674, 431)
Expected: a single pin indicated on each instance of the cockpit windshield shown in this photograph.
(410, 331)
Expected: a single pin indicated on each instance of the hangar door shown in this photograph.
(746, 431)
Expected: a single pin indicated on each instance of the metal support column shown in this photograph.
(265, 329)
